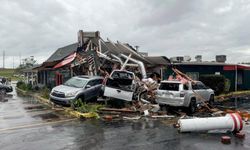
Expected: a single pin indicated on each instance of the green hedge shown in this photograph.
(216, 82)
(45, 92)
(24, 86)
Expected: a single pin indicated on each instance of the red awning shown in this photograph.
(244, 67)
(229, 67)
(233, 67)
(66, 61)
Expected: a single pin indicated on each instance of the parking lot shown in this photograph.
(26, 124)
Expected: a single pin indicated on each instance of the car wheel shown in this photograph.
(192, 106)
(82, 98)
(2, 91)
(77, 102)
(94, 99)
(211, 100)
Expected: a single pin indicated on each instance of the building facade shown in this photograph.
(233, 72)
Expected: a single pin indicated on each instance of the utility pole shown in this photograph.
(13, 62)
(3, 59)
(236, 78)
(236, 85)
(20, 59)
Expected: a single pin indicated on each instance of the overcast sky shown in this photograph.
(160, 27)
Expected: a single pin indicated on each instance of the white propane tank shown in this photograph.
(232, 122)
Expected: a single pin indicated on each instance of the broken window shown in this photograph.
(169, 86)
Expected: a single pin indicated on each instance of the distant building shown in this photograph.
(28, 62)
(230, 71)
(30, 75)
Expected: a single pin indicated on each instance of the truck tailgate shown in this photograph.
(118, 93)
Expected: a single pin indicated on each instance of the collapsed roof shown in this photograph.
(107, 47)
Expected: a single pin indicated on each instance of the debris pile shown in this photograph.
(141, 94)
(126, 81)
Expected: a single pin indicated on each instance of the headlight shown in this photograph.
(71, 94)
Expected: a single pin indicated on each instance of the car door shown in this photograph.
(201, 90)
(197, 91)
(98, 87)
(94, 89)
(204, 92)
(90, 90)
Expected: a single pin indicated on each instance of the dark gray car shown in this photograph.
(4, 88)
(86, 88)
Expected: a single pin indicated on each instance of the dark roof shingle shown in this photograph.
(158, 60)
(62, 52)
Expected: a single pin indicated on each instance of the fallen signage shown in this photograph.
(231, 122)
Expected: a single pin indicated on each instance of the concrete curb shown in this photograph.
(67, 111)
(22, 91)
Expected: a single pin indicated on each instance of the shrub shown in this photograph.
(215, 82)
(84, 107)
(19, 83)
(29, 87)
(45, 92)
(227, 85)
(22, 85)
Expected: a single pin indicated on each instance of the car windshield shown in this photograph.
(169, 86)
(122, 75)
(76, 82)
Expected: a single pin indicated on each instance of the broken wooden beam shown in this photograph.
(119, 110)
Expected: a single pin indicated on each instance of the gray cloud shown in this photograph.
(163, 27)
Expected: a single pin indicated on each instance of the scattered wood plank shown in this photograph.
(119, 110)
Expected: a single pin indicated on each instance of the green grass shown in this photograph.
(221, 97)
(8, 73)
(83, 107)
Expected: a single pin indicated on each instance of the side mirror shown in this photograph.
(88, 86)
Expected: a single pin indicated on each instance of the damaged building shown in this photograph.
(90, 56)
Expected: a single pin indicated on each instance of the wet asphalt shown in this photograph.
(26, 124)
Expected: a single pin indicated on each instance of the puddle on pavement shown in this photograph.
(4, 100)
(13, 117)
(47, 116)
(34, 107)
(9, 95)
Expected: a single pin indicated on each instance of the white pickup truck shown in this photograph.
(120, 85)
